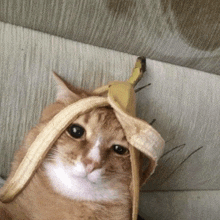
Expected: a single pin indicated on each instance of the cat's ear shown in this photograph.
(65, 91)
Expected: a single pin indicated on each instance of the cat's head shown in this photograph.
(91, 159)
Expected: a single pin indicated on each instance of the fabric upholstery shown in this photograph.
(182, 32)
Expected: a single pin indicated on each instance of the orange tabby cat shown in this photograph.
(86, 174)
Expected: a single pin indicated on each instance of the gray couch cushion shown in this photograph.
(182, 32)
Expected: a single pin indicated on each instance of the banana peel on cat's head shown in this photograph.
(121, 97)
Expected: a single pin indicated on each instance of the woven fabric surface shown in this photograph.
(182, 32)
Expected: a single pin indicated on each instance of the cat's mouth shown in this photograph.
(93, 177)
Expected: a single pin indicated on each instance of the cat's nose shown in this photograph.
(90, 165)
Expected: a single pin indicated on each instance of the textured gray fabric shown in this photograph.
(184, 102)
(1, 182)
(182, 32)
(190, 205)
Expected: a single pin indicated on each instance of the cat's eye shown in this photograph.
(119, 149)
(76, 131)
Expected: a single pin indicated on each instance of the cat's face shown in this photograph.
(91, 159)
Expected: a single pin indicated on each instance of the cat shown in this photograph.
(86, 174)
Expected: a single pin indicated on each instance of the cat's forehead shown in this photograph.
(101, 120)
(103, 116)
